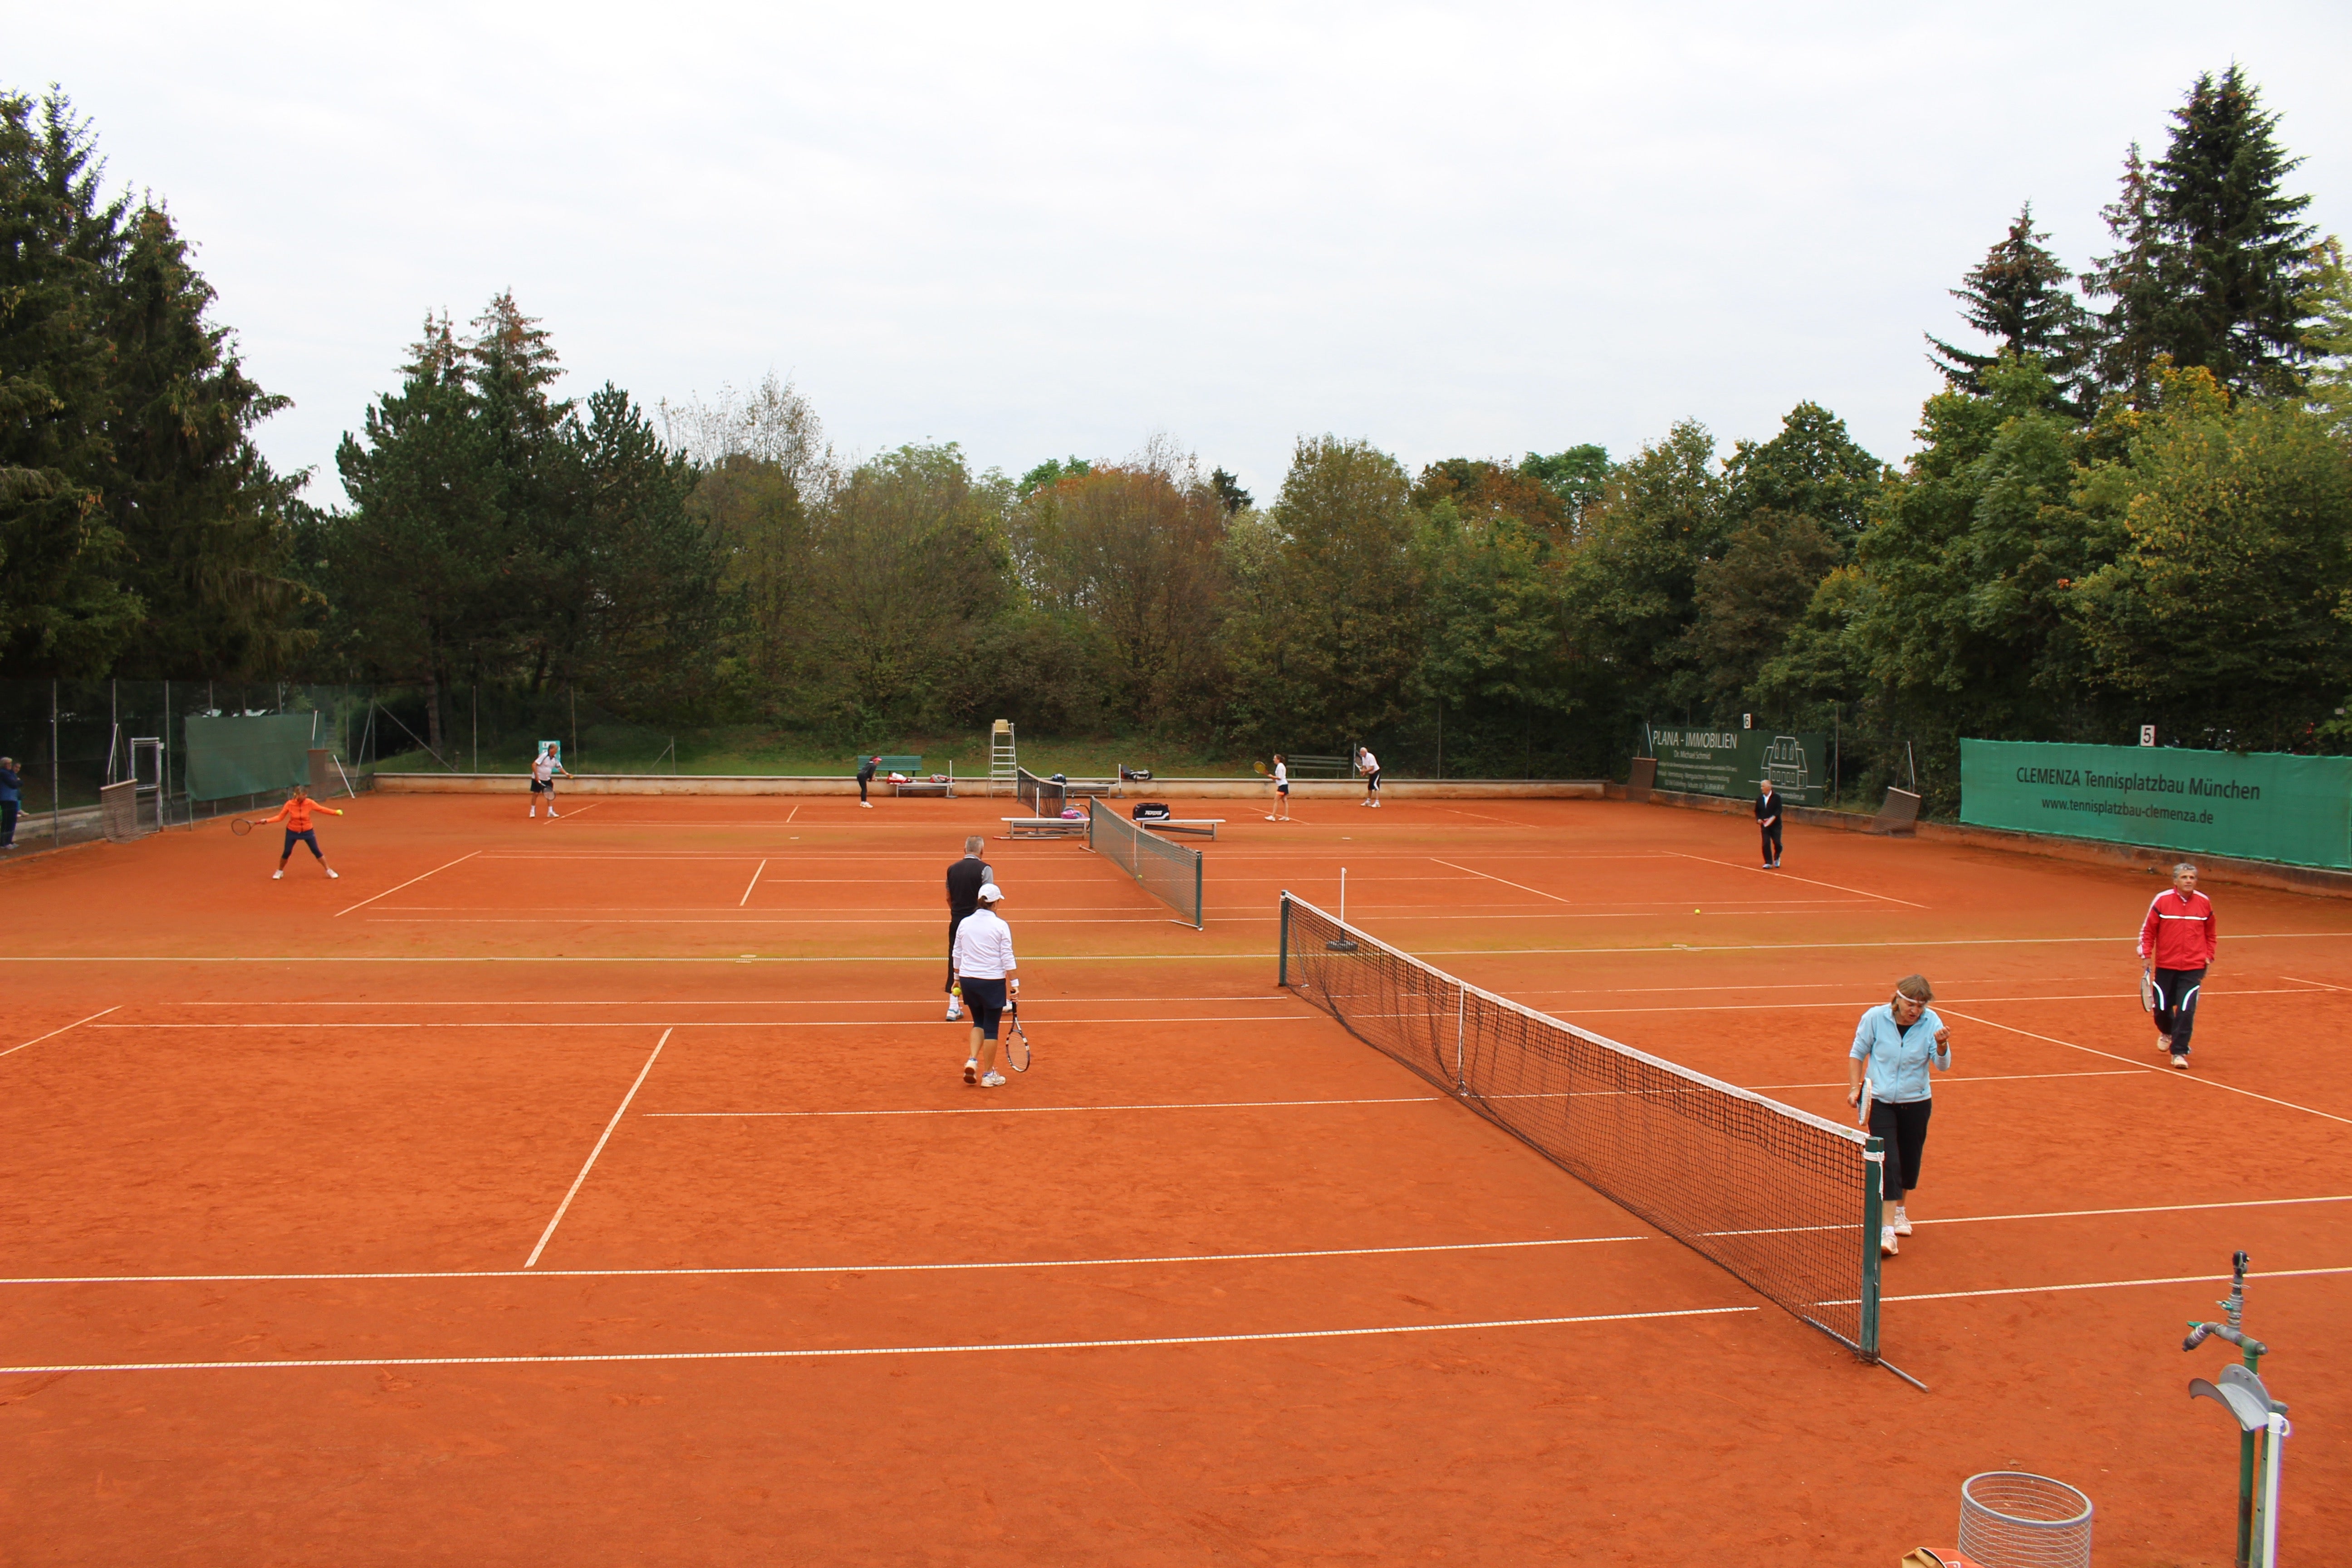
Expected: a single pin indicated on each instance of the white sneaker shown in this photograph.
(333, 876)
(2180, 1060)
(866, 804)
(551, 814)
(954, 1012)
(971, 1071)
(1272, 819)
(1886, 1241)
(1902, 1226)
(993, 1080)
(278, 875)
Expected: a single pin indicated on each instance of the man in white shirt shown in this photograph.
(984, 972)
(1369, 766)
(543, 769)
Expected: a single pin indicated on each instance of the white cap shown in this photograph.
(990, 892)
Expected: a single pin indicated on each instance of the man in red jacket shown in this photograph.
(2176, 948)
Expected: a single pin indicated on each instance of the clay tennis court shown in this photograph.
(605, 1191)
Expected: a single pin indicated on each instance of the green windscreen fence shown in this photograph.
(1168, 872)
(2261, 806)
(248, 755)
(1725, 759)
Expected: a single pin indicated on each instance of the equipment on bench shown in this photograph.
(1152, 811)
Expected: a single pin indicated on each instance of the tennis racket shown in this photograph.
(2146, 992)
(240, 825)
(1862, 1114)
(1016, 1039)
(1261, 769)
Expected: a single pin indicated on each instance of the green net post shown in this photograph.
(1874, 1216)
(1199, 905)
(1282, 958)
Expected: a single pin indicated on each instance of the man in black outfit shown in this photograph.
(1767, 818)
(965, 879)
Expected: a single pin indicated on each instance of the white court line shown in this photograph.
(2151, 1208)
(749, 885)
(871, 1350)
(932, 1018)
(1490, 877)
(1245, 955)
(314, 1007)
(548, 1235)
(436, 870)
(53, 1034)
(1971, 1001)
(576, 810)
(822, 1267)
(2160, 1071)
(1031, 1109)
(2101, 1284)
(2321, 984)
(789, 814)
(1789, 876)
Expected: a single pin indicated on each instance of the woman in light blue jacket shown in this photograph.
(1892, 1045)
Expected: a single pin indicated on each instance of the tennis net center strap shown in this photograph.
(1776, 1195)
(1168, 872)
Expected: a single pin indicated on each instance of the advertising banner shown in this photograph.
(1731, 760)
(2261, 806)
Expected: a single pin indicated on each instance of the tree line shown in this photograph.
(2131, 504)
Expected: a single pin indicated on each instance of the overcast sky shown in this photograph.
(1459, 230)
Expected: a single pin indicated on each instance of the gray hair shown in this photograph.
(2188, 865)
(974, 845)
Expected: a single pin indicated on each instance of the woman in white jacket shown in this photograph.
(984, 965)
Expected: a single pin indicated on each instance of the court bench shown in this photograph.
(1044, 827)
(1194, 826)
(913, 785)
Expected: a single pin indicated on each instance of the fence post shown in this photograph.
(57, 828)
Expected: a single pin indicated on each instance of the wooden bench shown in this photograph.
(1043, 827)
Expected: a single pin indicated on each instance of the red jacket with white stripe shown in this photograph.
(2179, 933)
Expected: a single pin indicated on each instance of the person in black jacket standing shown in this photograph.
(965, 879)
(866, 766)
(1767, 818)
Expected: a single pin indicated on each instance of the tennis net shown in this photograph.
(1044, 797)
(1168, 872)
(1784, 1200)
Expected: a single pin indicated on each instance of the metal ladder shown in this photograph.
(1002, 768)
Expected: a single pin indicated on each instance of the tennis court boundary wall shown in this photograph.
(976, 787)
(2222, 868)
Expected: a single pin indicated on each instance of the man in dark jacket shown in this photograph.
(866, 766)
(965, 879)
(11, 801)
(1767, 818)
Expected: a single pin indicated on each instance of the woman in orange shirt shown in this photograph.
(296, 814)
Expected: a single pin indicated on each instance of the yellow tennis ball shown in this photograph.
(1697, 911)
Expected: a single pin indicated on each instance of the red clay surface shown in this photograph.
(311, 1122)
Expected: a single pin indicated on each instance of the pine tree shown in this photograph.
(2016, 296)
(2212, 261)
(2329, 340)
(63, 606)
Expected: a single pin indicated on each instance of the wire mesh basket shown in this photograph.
(2013, 1519)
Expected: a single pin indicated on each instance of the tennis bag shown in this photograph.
(1152, 811)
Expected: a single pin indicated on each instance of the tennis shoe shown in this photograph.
(1902, 1226)
(954, 1012)
(1886, 1247)
(971, 1071)
(993, 1080)
(2180, 1060)
(552, 813)
(334, 876)
(279, 875)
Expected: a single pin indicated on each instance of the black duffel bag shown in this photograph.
(1152, 811)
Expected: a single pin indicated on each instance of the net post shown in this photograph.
(1461, 1012)
(1874, 1216)
(1199, 907)
(1282, 958)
